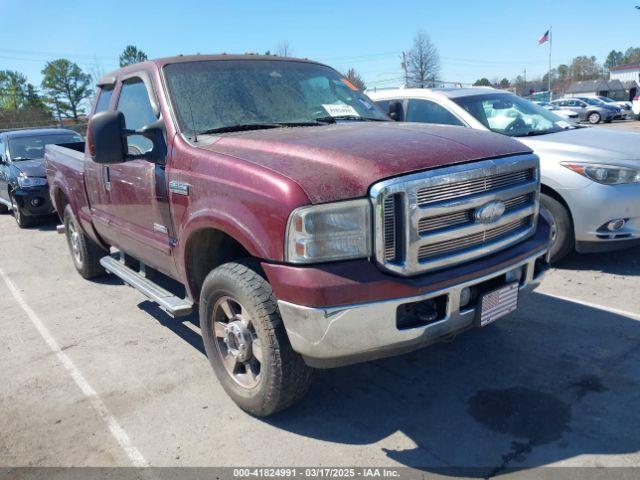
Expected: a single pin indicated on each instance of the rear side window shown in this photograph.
(135, 105)
(104, 97)
(426, 111)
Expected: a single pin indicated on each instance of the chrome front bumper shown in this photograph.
(335, 336)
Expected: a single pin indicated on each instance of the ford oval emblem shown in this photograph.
(489, 212)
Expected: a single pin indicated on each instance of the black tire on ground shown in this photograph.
(3, 208)
(609, 121)
(85, 253)
(563, 238)
(594, 118)
(22, 220)
(274, 377)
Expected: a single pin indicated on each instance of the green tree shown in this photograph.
(585, 68)
(563, 71)
(66, 86)
(504, 84)
(632, 55)
(356, 80)
(16, 93)
(482, 82)
(131, 54)
(614, 59)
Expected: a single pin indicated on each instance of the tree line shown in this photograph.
(582, 67)
(64, 88)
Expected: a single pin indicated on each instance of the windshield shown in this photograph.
(511, 115)
(592, 101)
(606, 99)
(223, 94)
(32, 148)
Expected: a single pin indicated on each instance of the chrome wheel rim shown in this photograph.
(237, 344)
(74, 243)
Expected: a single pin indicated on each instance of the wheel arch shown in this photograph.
(205, 249)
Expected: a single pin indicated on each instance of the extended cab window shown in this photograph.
(134, 103)
(104, 97)
(426, 111)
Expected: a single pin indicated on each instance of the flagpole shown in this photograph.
(550, 47)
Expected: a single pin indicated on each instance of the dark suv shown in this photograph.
(23, 183)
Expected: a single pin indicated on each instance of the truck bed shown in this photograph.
(65, 173)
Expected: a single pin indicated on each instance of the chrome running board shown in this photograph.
(167, 301)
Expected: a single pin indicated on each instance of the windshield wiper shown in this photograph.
(239, 128)
(259, 126)
(19, 159)
(356, 118)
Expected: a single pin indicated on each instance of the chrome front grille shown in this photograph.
(431, 220)
(469, 187)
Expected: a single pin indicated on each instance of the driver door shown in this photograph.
(137, 206)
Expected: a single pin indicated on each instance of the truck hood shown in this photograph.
(30, 168)
(342, 161)
(588, 144)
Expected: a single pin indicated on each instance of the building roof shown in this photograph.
(587, 86)
(629, 84)
(632, 66)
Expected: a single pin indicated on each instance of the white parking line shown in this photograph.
(136, 458)
(617, 311)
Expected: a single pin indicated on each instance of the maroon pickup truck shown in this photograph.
(309, 229)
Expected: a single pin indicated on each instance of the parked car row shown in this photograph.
(590, 177)
(311, 227)
(23, 183)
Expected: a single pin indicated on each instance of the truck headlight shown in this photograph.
(334, 231)
(605, 174)
(26, 182)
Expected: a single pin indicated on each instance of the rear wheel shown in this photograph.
(562, 238)
(246, 341)
(85, 253)
(594, 118)
(22, 220)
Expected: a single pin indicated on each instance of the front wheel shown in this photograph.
(22, 220)
(246, 341)
(594, 118)
(562, 238)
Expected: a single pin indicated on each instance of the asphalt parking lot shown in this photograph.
(94, 375)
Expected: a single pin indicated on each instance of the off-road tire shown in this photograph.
(594, 118)
(88, 255)
(284, 377)
(564, 240)
(22, 220)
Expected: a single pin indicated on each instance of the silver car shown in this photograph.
(590, 176)
(588, 111)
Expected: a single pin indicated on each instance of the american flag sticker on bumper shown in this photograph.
(498, 303)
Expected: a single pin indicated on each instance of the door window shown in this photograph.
(426, 111)
(104, 97)
(134, 103)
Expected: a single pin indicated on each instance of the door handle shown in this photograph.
(106, 177)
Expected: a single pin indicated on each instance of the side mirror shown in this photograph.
(108, 139)
(395, 110)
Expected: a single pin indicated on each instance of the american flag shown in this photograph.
(544, 38)
(498, 304)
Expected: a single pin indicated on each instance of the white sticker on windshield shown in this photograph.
(340, 110)
(563, 124)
